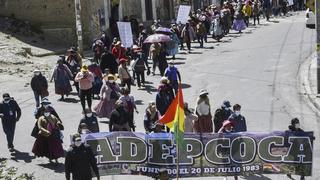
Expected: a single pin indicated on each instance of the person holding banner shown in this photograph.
(79, 161)
(129, 106)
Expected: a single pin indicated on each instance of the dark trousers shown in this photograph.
(83, 95)
(200, 40)
(188, 45)
(8, 129)
(256, 18)
(37, 98)
(126, 82)
(246, 20)
(181, 43)
(140, 78)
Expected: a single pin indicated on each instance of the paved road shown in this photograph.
(258, 69)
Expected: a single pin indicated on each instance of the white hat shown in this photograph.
(203, 92)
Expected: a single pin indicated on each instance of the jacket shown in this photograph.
(79, 161)
(163, 101)
(240, 124)
(39, 83)
(91, 122)
(220, 115)
(11, 111)
(140, 64)
(247, 10)
(118, 117)
(108, 61)
(123, 73)
(85, 80)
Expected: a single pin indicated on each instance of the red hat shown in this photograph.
(122, 60)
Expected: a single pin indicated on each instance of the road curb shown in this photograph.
(305, 84)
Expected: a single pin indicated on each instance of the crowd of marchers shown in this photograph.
(115, 69)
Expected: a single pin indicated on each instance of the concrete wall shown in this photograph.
(132, 8)
(57, 17)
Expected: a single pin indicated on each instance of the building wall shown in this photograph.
(57, 17)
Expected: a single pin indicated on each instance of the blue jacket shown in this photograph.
(11, 111)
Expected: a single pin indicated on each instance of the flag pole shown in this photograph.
(177, 143)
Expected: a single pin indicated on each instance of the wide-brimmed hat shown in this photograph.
(203, 92)
(45, 101)
(118, 43)
(110, 76)
(84, 68)
(36, 70)
(164, 79)
(122, 60)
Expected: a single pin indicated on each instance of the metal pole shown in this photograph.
(317, 9)
(79, 25)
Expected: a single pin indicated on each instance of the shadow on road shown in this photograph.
(179, 63)
(195, 52)
(56, 167)
(139, 102)
(21, 156)
(71, 100)
(185, 86)
(179, 58)
(150, 89)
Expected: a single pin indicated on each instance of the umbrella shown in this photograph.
(163, 30)
(157, 38)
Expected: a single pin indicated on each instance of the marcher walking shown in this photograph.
(154, 53)
(188, 35)
(238, 120)
(74, 64)
(10, 114)
(90, 120)
(62, 75)
(201, 32)
(85, 79)
(119, 52)
(173, 75)
(39, 85)
(49, 143)
(119, 120)
(109, 93)
(256, 12)
(221, 115)
(124, 75)
(204, 122)
(139, 66)
(163, 99)
(247, 12)
(129, 106)
(151, 116)
(80, 160)
(108, 61)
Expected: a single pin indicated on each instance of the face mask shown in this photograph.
(111, 81)
(45, 106)
(227, 108)
(37, 74)
(47, 114)
(6, 100)
(89, 114)
(297, 126)
(228, 130)
(237, 113)
(171, 65)
(77, 143)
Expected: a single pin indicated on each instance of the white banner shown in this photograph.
(183, 14)
(290, 2)
(125, 33)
